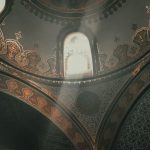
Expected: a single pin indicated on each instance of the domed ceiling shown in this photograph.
(35, 46)
(72, 9)
(70, 5)
(33, 54)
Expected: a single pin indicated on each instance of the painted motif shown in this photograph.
(13, 52)
(140, 80)
(46, 107)
(64, 10)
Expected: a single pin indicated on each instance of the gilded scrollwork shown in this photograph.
(22, 59)
(12, 51)
(124, 54)
(142, 36)
(12, 48)
(29, 60)
(47, 107)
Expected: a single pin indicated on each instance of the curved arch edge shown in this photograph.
(139, 81)
(46, 107)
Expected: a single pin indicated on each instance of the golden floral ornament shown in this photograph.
(142, 36)
(12, 85)
(12, 51)
(27, 93)
(22, 59)
(41, 102)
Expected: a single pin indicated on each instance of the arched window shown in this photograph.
(77, 56)
(2, 5)
(77, 53)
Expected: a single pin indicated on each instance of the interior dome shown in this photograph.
(71, 5)
(69, 8)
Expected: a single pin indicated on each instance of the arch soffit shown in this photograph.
(45, 106)
(123, 102)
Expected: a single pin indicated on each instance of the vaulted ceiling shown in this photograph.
(89, 111)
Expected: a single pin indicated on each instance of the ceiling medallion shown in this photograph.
(72, 10)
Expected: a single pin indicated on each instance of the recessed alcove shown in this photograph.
(78, 61)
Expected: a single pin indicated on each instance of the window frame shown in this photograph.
(60, 48)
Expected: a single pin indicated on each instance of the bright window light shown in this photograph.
(77, 56)
(2, 5)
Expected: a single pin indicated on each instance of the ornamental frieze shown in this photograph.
(13, 52)
(47, 107)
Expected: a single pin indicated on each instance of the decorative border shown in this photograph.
(112, 8)
(29, 61)
(47, 107)
(120, 107)
(53, 16)
(60, 45)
